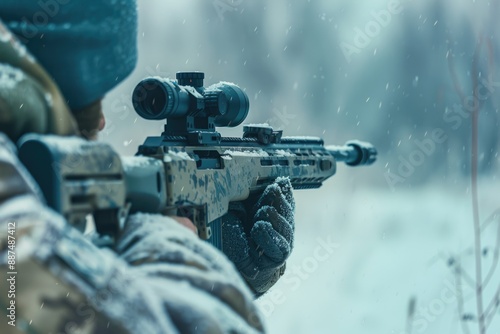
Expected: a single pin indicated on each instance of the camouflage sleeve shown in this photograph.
(64, 284)
(167, 252)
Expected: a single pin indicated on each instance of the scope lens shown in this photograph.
(155, 100)
(152, 99)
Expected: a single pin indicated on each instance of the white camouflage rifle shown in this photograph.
(190, 170)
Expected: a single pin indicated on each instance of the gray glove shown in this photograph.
(258, 234)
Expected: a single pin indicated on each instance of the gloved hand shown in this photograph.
(258, 234)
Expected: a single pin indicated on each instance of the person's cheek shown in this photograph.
(102, 122)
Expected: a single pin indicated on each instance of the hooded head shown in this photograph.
(87, 46)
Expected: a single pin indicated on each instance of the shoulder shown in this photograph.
(23, 103)
(30, 101)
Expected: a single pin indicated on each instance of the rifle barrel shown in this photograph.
(354, 153)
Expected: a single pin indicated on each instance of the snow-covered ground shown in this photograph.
(362, 255)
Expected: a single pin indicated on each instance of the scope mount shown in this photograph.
(198, 125)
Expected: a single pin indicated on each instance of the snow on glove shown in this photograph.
(258, 234)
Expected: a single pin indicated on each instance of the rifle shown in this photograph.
(190, 170)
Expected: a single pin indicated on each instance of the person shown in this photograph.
(58, 59)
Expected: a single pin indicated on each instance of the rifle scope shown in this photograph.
(158, 98)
